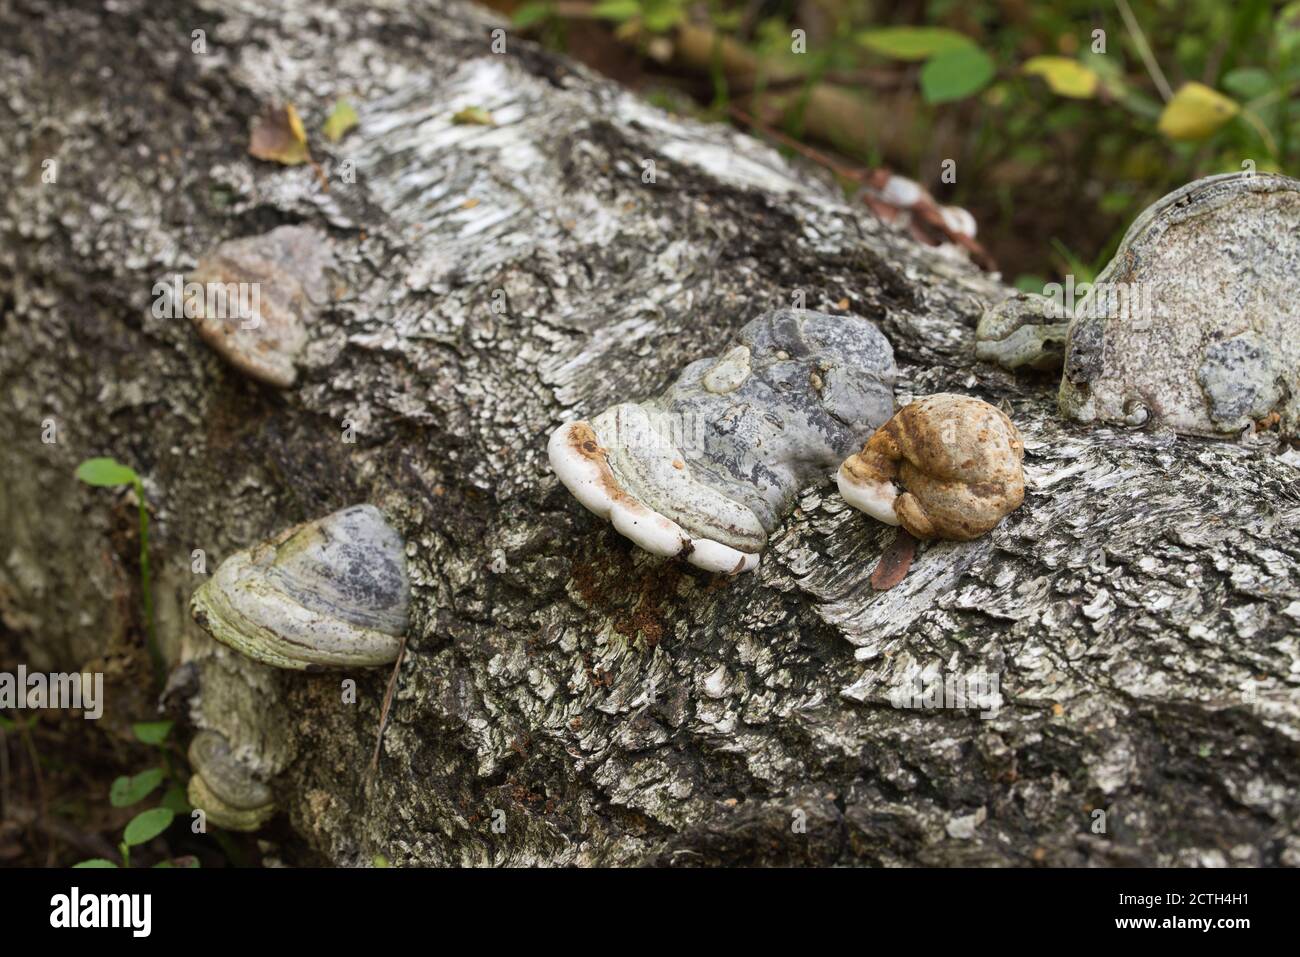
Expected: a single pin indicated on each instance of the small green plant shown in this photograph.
(132, 789)
(110, 473)
(655, 16)
(954, 68)
(1050, 110)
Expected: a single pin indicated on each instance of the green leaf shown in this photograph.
(1110, 75)
(1248, 82)
(152, 732)
(341, 119)
(131, 790)
(1115, 202)
(531, 13)
(94, 862)
(175, 799)
(956, 75)
(661, 16)
(913, 43)
(1073, 263)
(619, 10)
(1066, 77)
(731, 20)
(106, 472)
(1141, 104)
(1287, 29)
(147, 825)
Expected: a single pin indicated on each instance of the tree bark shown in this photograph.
(565, 698)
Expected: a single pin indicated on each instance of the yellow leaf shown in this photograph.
(342, 119)
(628, 29)
(1195, 112)
(474, 116)
(278, 136)
(295, 124)
(1066, 77)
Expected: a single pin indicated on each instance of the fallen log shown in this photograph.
(564, 698)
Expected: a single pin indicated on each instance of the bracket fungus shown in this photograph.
(226, 791)
(259, 295)
(1194, 324)
(709, 469)
(957, 460)
(332, 593)
(1025, 330)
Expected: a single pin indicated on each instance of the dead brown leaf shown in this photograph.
(894, 562)
(278, 136)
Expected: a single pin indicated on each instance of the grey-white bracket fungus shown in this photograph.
(332, 593)
(709, 469)
(227, 792)
(908, 204)
(1195, 324)
(1025, 330)
(284, 272)
(946, 466)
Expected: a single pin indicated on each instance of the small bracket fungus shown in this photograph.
(1023, 331)
(332, 593)
(709, 469)
(224, 789)
(259, 295)
(910, 206)
(1194, 324)
(957, 459)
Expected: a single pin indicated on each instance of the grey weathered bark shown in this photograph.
(1141, 610)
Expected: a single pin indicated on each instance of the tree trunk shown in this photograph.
(565, 698)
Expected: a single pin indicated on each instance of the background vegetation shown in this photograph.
(1065, 118)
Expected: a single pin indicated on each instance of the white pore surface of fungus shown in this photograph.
(578, 459)
(875, 498)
